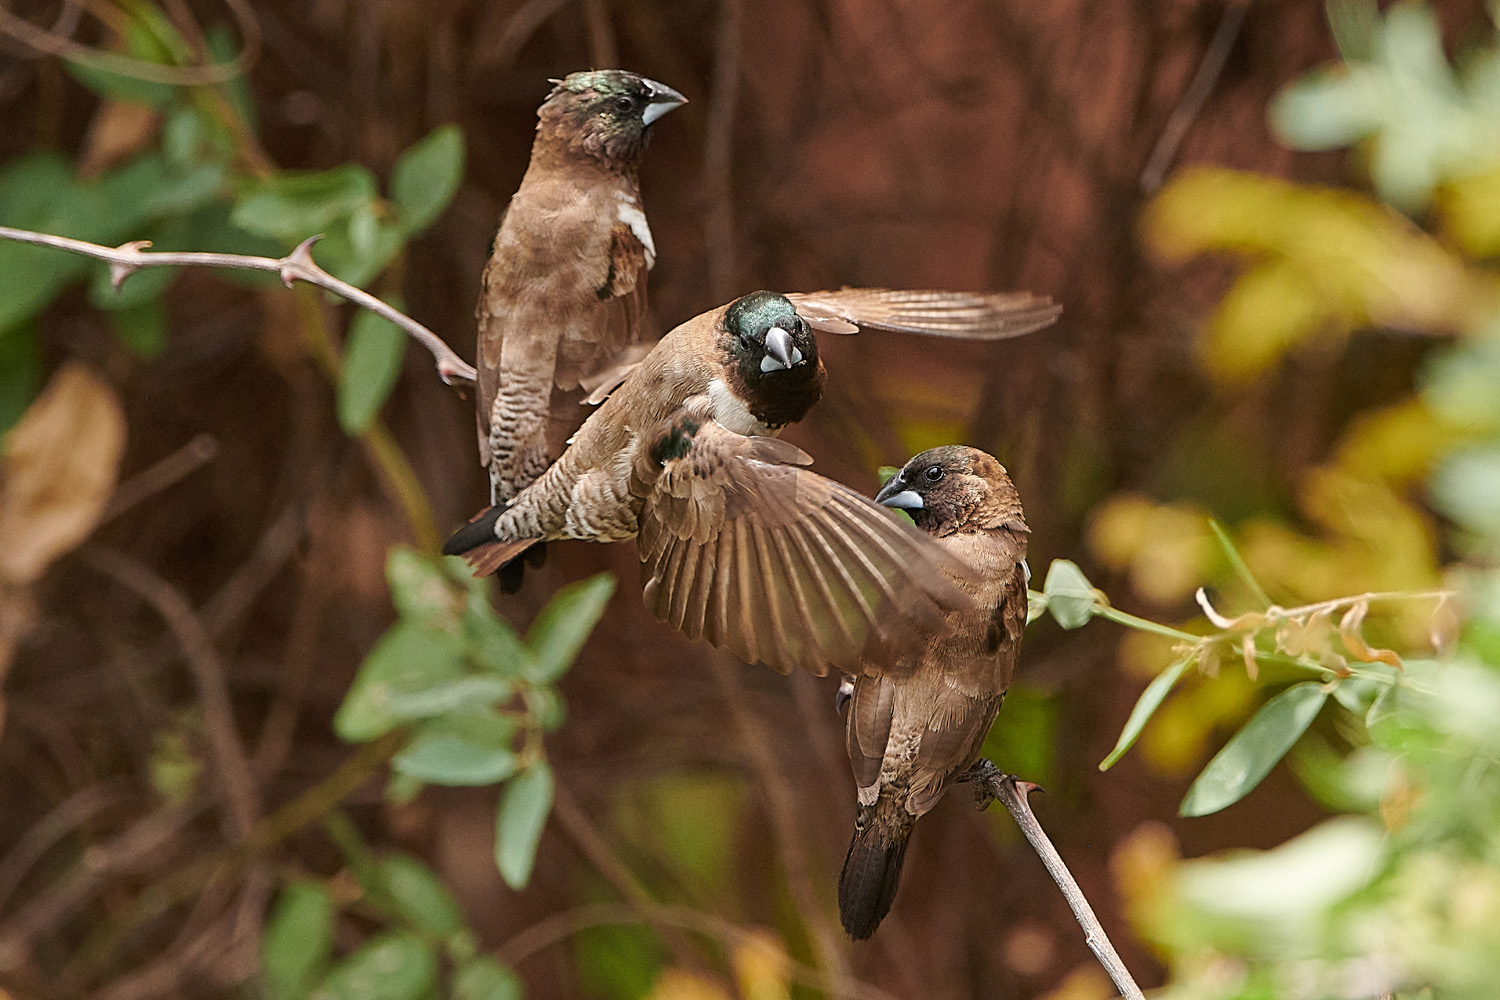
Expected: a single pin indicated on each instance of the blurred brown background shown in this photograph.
(970, 144)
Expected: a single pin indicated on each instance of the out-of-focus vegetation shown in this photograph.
(1399, 893)
(229, 770)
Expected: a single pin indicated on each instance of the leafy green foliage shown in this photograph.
(427, 175)
(1255, 749)
(1400, 895)
(518, 825)
(1070, 597)
(390, 966)
(372, 362)
(475, 695)
(1150, 700)
(298, 941)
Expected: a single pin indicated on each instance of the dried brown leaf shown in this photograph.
(60, 466)
(119, 129)
(1247, 650)
(1248, 622)
(1354, 642)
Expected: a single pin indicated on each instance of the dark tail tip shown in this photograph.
(867, 885)
(474, 534)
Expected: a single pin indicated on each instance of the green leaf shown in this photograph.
(20, 371)
(407, 659)
(562, 627)
(298, 941)
(1146, 705)
(546, 706)
(426, 176)
(145, 39)
(486, 979)
(1036, 605)
(421, 591)
(293, 206)
(372, 363)
(390, 966)
(223, 46)
(474, 692)
(1070, 596)
(470, 748)
(1254, 750)
(1328, 110)
(418, 896)
(518, 823)
(496, 647)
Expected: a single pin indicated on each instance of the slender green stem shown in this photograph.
(1146, 625)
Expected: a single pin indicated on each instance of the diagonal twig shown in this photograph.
(1198, 91)
(991, 783)
(127, 258)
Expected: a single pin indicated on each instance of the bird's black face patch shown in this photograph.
(772, 357)
(674, 444)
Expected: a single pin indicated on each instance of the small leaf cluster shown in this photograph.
(1357, 675)
(473, 695)
(188, 176)
(424, 950)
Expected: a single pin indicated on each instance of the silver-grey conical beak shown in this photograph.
(663, 99)
(895, 494)
(779, 350)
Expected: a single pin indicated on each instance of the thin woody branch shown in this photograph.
(991, 783)
(298, 265)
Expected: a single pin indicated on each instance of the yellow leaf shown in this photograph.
(679, 984)
(1087, 982)
(1470, 207)
(60, 465)
(760, 968)
(1270, 309)
(1399, 443)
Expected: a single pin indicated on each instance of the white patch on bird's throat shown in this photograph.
(628, 213)
(732, 413)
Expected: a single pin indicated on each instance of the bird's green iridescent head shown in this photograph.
(772, 355)
(606, 113)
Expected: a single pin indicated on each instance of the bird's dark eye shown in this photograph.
(934, 473)
(625, 104)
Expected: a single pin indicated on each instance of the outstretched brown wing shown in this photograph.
(745, 548)
(969, 315)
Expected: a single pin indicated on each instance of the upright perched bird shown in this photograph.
(743, 546)
(919, 719)
(565, 287)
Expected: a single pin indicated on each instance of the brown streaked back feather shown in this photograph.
(745, 548)
(968, 315)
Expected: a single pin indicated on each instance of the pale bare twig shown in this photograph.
(991, 783)
(1193, 98)
(298, 265)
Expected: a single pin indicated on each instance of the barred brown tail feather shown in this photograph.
(867, 885)
(477, 543)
